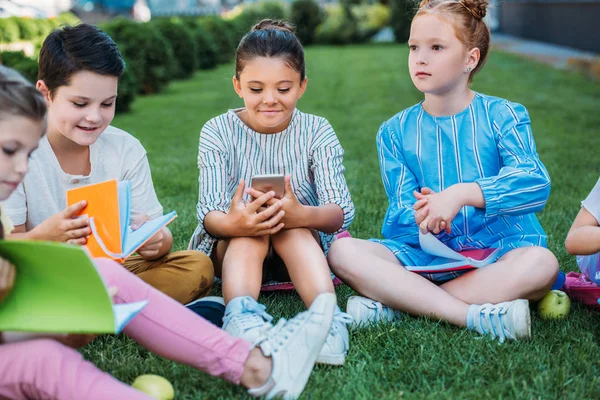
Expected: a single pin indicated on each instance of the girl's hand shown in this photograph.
(7, 278)
(253, 219)
(295, 216)
(435, 211)
(65, 226)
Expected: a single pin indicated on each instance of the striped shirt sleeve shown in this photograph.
(399, 183)
(522, 185)
(328, 171)
(213, 180)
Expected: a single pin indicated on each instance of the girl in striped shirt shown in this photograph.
(246, 231)
(463, 166)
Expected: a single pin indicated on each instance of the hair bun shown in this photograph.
(273, 24)
(478, 8)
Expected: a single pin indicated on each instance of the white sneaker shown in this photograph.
(246, 318)
(336, 345)
(367, 311)
(294, 346)
(508, 320)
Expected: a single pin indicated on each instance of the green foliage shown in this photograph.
(28, 29)
(306, 15)
(9, 30)
(340, 26)
(148, 53)
(223, 34)
(371, 19)
(402, 14)
(28, 67)
(183, 41)
(245, 16)
(127, 91)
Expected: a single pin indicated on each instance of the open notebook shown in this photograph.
(58, 290)
(447, 260)
(109, 210)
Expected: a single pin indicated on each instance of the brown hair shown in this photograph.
(18, 97)
(270, 38)
(467, 18)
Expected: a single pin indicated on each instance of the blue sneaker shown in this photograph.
(246, 318)
(211, 308)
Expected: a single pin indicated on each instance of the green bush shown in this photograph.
(307, 15)
(45, 26)
(340, 27)
(28, 29)
(149, 54)
(371, 19)
(19, 61)
(67, 18)
(127, 91)
(207, 50)
(9, 30)
(402, 13)
(223, 35)
(245, 16)
(184, 45)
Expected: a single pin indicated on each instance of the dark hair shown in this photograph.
(467, 18)
(270, 38)
(71, 49)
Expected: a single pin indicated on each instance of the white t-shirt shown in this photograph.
(592, 202)
(115, 155)
(590, 264)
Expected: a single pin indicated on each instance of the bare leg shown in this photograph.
(523, 273)
(241, 266)
(372, 270)
(303, 257)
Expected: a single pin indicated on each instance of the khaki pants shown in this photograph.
(183, 275)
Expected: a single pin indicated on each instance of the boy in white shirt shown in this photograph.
(79, 70)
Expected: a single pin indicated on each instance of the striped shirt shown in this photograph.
(489, 143)
(308, 149)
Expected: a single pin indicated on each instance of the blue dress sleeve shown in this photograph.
(522, 185)
(399, 183)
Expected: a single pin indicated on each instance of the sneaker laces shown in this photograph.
(274, 339)
(338, 319)
(491, 321)
(253, 315)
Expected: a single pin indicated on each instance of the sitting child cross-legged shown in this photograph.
(463, 166)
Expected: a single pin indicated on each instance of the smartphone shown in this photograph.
(266, 183)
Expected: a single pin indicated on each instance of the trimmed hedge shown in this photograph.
(183, 42)
(223, 34)
(28, 67)
(402, 14)
(306, 15)
(149, 54)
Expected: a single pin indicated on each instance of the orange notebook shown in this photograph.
(109, 208)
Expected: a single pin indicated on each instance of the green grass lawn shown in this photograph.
(357, 88)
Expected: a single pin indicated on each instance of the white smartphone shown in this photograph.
(266, 183)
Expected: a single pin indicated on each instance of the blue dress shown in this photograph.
(489, 143)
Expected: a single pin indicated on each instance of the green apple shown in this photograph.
(155, 386)
(555, 305)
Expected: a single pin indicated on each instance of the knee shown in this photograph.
(542, 266)
(338, 258)
(198, 266)
(111, 271)
(283, 237)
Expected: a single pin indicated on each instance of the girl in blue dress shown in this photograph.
(463, 166)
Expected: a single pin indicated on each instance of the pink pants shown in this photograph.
(46, 369)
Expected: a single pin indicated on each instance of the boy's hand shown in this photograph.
(65, 226)
(294, 217)
(7, 278)
(151, 248)
(252, 219)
